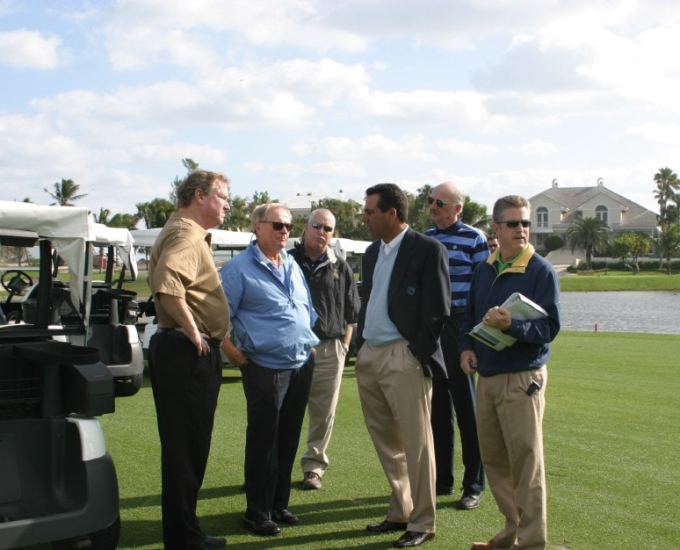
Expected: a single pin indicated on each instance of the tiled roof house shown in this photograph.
(555, 209)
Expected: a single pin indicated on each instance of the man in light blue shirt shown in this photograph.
(272, 315)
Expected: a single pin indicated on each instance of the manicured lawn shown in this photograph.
(612, 446)
(619, 280)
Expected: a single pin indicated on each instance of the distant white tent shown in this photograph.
(220, 237)
(239, 240)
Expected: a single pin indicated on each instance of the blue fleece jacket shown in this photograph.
(533, 276)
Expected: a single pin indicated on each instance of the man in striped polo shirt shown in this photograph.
(466, 247)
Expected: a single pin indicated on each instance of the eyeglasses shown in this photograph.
(514, 223)
(278, 226)
(326, 228)
(492, 247)
(440, 203)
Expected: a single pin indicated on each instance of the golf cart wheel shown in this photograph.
(106, 539)
(125, 386)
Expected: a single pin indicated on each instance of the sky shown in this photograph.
(332, 96)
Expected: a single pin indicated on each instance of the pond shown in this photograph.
(653, 312)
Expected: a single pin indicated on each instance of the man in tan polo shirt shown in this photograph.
(184, 355)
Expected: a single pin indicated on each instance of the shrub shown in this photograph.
(553, 243)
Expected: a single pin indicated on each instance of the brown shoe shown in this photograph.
(312, 481)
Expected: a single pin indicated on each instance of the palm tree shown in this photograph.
(65, 193)
(667, 192)
(129, 221)
(667, 186)
(590, 234)
(156, 212)
(103, 216)
(474, 214)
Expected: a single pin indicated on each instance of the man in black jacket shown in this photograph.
(336, 301)
(405, 303)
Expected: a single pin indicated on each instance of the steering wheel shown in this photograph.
(17, 284)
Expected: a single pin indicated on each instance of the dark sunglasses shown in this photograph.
(514, 223)
(326, 228)
(278, 226)
(440, 203)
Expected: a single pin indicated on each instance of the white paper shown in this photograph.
(520, 308)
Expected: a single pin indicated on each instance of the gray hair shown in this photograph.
(509, 201)
(260, 212)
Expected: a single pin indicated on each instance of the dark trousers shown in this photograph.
(457, 393)
(185, 390)
(276, 402)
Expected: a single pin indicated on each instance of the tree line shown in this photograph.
(590, 234)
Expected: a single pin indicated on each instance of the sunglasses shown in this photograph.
(326, 228)
(440, 203)
(514, 223)
(278, 226)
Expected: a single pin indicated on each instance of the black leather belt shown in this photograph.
(212, 342)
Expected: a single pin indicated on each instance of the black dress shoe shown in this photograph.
(411, 539)
(470, 501)
(385, 527)
(263, 527)
(214, 542)
(285, 516)
(444, 491)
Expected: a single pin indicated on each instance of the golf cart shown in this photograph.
(113, 310)
(58, 483)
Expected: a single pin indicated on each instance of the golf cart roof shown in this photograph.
(49, 222)
(70, 229)
(121, 238)
(220, 237)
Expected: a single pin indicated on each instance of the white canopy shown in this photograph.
(122, 239)
(68, 228)
(220, 237)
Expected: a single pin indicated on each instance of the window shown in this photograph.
(602, 213)
(542, 216)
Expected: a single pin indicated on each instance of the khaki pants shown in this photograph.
(395, 398)
(323, 400)
(510, 428)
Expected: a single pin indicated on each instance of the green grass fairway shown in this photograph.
(612, 448)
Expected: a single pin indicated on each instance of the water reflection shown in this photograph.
(654, 312)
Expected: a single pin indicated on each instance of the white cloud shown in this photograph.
(340, 169)
(140, 47)
(537, 147)
(30, 49)
(263, 22)
(374, 147)
(467, 148)
(428, 107)
(657, 132)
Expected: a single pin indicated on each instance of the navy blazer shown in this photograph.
(419, 296)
